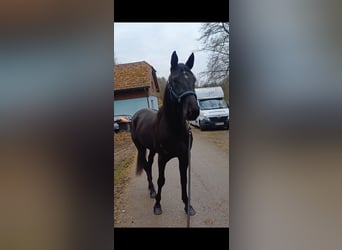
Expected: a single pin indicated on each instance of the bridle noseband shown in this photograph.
(179, 97)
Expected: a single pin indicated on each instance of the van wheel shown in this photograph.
(201, 126)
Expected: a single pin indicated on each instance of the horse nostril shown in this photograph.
(193, 113)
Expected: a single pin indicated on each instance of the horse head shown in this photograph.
(181, 86)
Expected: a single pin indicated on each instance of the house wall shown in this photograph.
(135, 94)
(153, 102)
(130, 95)
(130, 106)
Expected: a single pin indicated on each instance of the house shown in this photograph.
(135, 87)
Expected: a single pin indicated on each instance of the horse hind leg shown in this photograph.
(147, 166)
(148, 171)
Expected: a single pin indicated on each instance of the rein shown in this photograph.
(175, 96)
(189, 174)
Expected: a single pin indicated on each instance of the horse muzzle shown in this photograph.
(192, 114)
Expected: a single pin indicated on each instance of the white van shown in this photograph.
(214, 111)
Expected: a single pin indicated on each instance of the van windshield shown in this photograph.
(217, 103)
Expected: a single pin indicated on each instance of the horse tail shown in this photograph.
(141, 161)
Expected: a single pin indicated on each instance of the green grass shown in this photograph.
(122, 167)
(123, 162)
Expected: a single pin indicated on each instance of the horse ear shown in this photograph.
(190, 61)
(174, 60)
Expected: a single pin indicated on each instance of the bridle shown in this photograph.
(173, 94)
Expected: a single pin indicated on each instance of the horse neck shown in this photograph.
(172, 111)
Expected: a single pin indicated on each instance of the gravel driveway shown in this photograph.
(209, 188)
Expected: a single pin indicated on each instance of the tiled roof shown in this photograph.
(133, 75)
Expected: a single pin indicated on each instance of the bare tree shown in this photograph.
(215, 39)
(162, 84)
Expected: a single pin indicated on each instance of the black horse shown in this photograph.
(166, 131)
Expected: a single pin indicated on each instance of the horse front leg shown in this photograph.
(183, 168)
(161, 181)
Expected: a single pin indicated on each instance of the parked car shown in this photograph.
(116, 127)
(122, 123)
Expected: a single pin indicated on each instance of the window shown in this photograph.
(217, 103)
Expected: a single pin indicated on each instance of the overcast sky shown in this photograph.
(155, 42)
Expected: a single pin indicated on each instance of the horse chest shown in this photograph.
(172, 145)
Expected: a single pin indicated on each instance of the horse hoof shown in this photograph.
(157, 210)
(191, 212)
(153, 194)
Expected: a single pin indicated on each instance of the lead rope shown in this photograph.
(189, 174)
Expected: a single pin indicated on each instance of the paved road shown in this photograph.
(209, 190)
